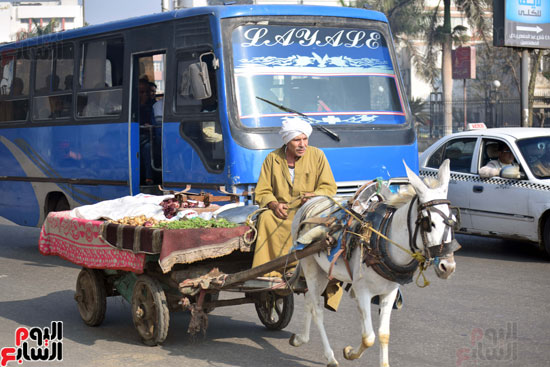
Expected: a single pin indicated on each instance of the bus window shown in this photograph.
(101, 68)
(14, 86)
(200, 122)
(53, 79)
(324, 72)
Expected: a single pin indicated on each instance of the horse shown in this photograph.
(434, 222)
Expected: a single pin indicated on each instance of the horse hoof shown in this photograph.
(293, 341)
(347, 352)
(333, 364)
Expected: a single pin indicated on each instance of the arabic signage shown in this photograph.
(521, 23)
(464, 63)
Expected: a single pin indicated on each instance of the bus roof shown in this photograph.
(228, 11)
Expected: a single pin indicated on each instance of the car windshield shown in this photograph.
(334, 76)
(536, 152)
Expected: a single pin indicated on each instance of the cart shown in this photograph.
(159, 271)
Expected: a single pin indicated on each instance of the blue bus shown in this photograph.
(80, 121)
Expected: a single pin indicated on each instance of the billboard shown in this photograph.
(521, 23)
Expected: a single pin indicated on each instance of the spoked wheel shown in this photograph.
(275, 311)
(150, 311)
(90, 296)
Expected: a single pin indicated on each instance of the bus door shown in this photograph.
(147, 113)
(193, 151)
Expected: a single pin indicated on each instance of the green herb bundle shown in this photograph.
(197, 222)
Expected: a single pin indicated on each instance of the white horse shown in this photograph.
(431, 218)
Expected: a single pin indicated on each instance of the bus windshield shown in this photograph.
(334, 76)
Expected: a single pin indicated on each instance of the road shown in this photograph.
(494, 311)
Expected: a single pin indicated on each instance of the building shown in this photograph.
(18, 15)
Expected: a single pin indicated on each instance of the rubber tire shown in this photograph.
(156, 315)
(91, 296)
(546, 237)
(284, 308)
(62, 204)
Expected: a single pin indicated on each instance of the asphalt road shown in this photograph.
(494, 311)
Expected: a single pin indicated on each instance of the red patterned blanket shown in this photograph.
(102, 245)
(79, 241)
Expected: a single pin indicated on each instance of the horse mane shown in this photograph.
(404, 196)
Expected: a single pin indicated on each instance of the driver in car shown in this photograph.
(493, 167)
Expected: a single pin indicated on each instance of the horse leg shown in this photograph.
(317, 281)
(386, 305)
(363, 298)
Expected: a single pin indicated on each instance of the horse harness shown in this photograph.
(424, 225)
(375, 254)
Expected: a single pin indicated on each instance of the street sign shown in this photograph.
(521, 23)
(464, 63)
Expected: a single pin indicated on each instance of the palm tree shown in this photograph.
(442, 37)
(38, 30)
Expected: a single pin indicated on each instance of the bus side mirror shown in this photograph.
(199, 82)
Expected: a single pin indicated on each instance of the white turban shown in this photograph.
(293, 127)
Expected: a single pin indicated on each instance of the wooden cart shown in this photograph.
(131, 262)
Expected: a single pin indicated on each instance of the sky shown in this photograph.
(101, 11)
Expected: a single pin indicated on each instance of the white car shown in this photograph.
(512, 205)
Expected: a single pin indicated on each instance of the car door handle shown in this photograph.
(478, 188)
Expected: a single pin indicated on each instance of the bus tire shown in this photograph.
(62, 204)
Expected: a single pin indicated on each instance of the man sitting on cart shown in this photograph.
(290, 176)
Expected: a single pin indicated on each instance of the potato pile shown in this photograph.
(141, 220)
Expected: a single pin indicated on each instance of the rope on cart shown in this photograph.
(252, 232)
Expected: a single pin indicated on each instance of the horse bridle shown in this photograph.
(423, 224)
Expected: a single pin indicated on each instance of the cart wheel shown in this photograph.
(150, 310)
(275, 311)
(90, 296)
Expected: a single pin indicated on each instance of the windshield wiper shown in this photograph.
(329, 132)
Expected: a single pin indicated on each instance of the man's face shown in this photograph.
(298, 145)
(506, 156)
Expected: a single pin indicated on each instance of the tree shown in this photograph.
(38, 30)
(442, 37)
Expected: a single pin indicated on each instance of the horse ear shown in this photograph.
(444, 174)
(416, 182)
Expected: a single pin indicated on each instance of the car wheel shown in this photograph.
(546, 237)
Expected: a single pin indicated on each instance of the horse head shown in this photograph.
(432, 231)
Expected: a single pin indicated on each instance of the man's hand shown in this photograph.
(280, 209)
(306, 196)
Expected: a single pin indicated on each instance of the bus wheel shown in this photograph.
(62, 204)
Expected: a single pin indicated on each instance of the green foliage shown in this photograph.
(197, 222)
(38, 30)
(418, 110)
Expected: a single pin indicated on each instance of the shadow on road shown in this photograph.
(236, 342)
(493, 248)
(21, 243)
